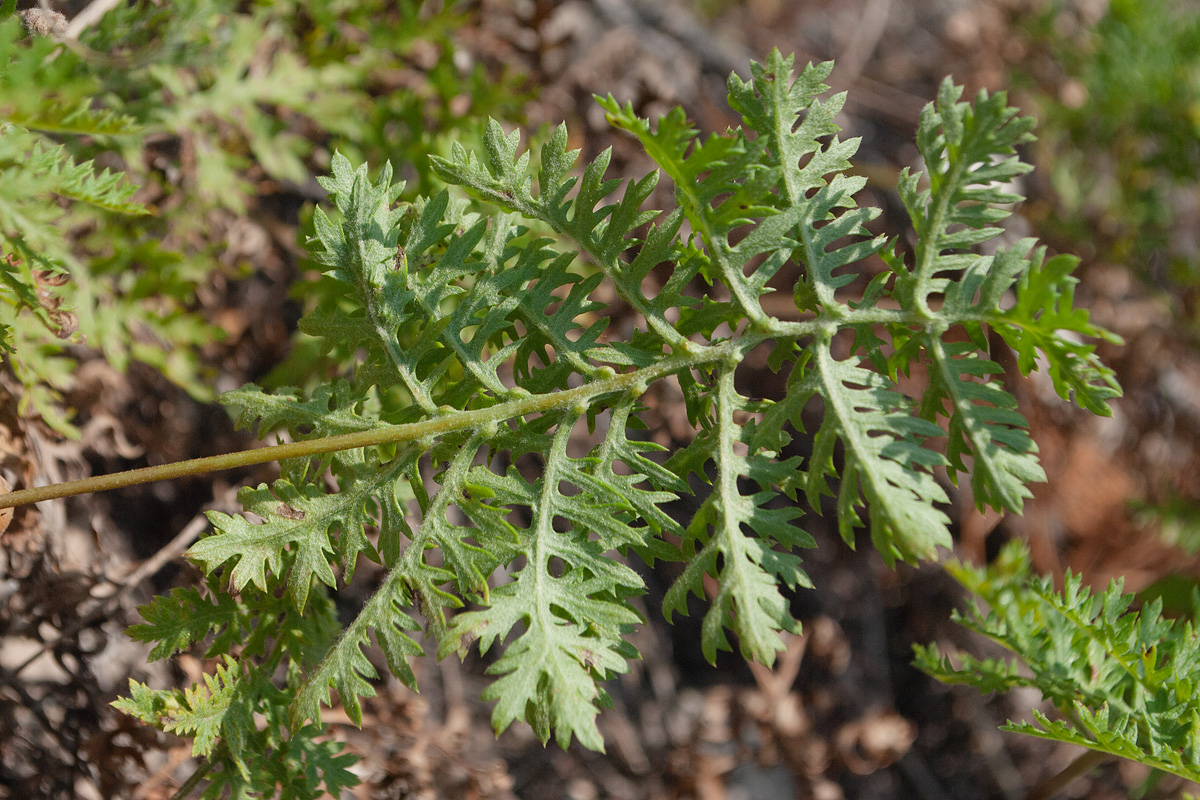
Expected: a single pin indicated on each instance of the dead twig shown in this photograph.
(1048, 788)
(89, 16)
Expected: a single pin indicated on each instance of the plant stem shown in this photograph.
(385, 434)
(1056, 783)
(191, 783)
(448, 423)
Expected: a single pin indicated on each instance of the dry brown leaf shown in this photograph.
(6, 514)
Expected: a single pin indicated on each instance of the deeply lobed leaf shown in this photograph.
(500, 483)
(1123, 679)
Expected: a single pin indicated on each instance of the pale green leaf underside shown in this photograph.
(507, 488)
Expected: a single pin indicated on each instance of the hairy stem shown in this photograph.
(448, 423)
(386, 434)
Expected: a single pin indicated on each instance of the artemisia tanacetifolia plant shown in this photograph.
(485, 355)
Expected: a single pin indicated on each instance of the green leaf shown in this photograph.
(184, 617)
(346, 668)
(983, 425)
(1044, 312)
(220, 708)
(498, 473)
(744, 544)
(294, 538)
(569, 596)
(794, 123)
(1123, 679)
(884, 459)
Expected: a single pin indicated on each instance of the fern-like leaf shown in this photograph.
(1123, 680)
(217, 709)
(885, 459)
(346, 668)
(984, 425)
(743, 543)
(793, 123)
(185, 616)
(1035, 325)
(294, 537)
(491, 402)
(569, 596)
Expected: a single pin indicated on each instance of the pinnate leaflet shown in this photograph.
(510, 487)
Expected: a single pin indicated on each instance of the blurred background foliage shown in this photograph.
(215, 112)
(1117, 93)
(1116, 89)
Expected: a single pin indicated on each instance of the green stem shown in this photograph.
(388, 434)
(928, 239)
(1082, 765)
(192, 782)
(455, 421)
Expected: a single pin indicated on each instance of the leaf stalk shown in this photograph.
(390, 434)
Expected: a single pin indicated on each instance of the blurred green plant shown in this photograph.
(1118, 102)
(1175, 518)
(205, 105)
(50, 199)
(1117, 91)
